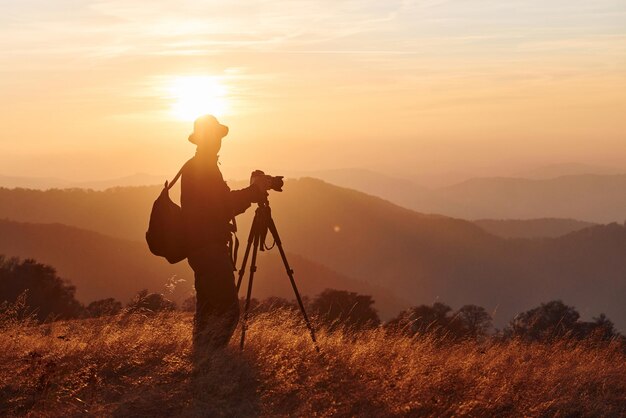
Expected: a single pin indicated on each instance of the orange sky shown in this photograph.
(94, 90)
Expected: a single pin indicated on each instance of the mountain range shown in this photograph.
(415, 257)
(594, 198)
(567, 191)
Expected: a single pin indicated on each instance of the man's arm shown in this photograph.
(240, 200)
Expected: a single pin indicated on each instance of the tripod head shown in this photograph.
(262, 218)
(263, 202)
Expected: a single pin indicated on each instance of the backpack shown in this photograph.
(165, 235)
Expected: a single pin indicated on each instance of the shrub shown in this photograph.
(424, 319)
(150, 302)
(342, 309)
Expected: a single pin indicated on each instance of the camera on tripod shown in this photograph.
(276, 182)
(262, 224)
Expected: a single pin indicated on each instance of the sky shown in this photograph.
(98, 89)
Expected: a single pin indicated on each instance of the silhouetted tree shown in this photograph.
(548, 321)
(343, 309)
(474, 320)
(440, 320)
(48, 296)
(426, 319)
(104, 307)
(556, 320)
(150, 302)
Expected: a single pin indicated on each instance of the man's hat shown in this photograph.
(207, 125)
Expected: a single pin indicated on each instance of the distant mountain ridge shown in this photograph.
(531, 228)
(38, 183)
(594, 198)
(568, 169)
(45, 183)
(591, 198)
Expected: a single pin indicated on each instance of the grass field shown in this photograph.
(136, 365)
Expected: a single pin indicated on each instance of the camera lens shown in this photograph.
(277, 183)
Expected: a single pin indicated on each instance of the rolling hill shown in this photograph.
(101, 266)
(422, 258)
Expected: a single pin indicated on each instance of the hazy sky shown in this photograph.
(101, 88)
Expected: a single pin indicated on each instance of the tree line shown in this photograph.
(49, 297)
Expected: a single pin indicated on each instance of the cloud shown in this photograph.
(122, 50)
(111, 29)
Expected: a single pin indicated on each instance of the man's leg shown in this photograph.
(204, 310)
(224, 299)
(217, 305)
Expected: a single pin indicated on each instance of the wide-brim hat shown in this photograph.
(207, 126)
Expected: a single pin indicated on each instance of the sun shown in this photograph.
(194, 96)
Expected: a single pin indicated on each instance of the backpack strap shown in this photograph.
(169, 185)
(233, 243)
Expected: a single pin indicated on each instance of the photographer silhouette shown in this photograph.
(208, 206)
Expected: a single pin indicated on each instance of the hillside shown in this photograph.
(143, 366)
(422, 258)
(101, 266)
(119, 212)
(400, 191)
(531, 228)
(437, 258)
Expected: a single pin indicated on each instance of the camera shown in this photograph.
(276, 182)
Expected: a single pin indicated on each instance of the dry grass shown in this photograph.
(141, 366)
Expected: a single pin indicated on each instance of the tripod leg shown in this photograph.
(279, 244)
(242, 271)
(244, 322)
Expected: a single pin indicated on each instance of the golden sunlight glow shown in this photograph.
(194, 96)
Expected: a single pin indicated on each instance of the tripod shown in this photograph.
(256, 240)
